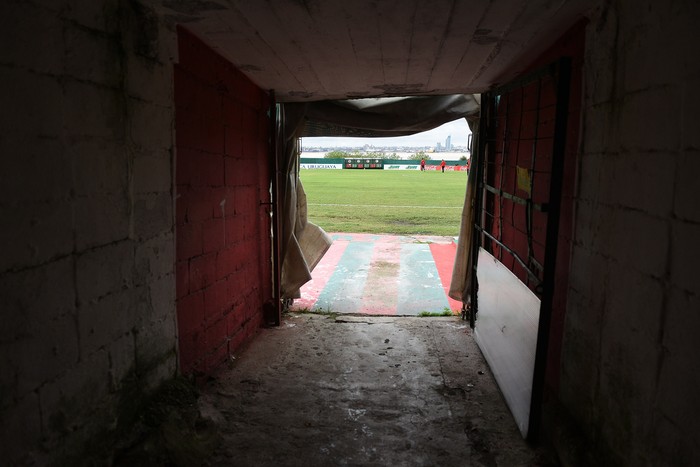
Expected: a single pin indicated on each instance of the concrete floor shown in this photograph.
(349, 390)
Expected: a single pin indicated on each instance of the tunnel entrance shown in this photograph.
(393, 225)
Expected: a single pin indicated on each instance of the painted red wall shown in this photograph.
(222, 224)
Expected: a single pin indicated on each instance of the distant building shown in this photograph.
(448, 143)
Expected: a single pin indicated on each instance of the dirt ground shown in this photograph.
(350, 390)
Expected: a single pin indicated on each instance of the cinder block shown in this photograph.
(34, 295)
(690, 102)
(92, 56)
(164, 369)
(153, 215)
(46, 350)
(190, 314)
(101, 219)
(580, 362)
(641, 130)
(67, 401)
(182, 278)
(106, 319)
(218, 356)
(188, 354)
(93, 111)
(152, 175)
(213, 167)
(162, 299)
(100, 16)
(150, 81)
(226, 262)
(214, 235)
(224, 199)
(234, 321)
(216, 333)
(196, 205)
(38, 101)
(627, 386)
(216, 300)
(640, 241)
(38, 232)
(685, 256)
(190, 132)
(20, 429)
(154, 258)
(40, 33)
(100, 167)
(644, 38)
(122, 360)
(156, 342)
(685, 202)
(601, 51)
(634, 170)
(679, 380)
(633, 310)
(202, 271)
(23, 182)
(105, 270)
(188, 241)
(151, 126)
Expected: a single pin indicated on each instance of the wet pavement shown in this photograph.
(382, 275)
(348, 390)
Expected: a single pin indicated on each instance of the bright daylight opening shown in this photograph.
(393, 209)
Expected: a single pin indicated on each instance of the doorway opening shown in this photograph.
(392, 207)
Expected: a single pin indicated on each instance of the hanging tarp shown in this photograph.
(387, 116)
(302, 244)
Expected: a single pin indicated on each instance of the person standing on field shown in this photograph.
(422, 164)
(442, 165)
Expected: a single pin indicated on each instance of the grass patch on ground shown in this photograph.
(385, 201)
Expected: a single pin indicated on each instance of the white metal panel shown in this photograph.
(506, 331)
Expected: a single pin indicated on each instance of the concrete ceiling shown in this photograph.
(308, 50)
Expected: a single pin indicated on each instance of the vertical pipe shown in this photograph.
(563, 78)
(478, 161)
(275, 129)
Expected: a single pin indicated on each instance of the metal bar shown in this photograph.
(274, 195)
(558, 154)
(516, 199)
(529, 205)
(504, 152)
(514, 255)
(478, 166)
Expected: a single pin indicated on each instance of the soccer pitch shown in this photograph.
(385, 201)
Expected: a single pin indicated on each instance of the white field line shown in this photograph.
(382, 206)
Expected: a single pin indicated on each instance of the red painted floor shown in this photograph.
(382, 275)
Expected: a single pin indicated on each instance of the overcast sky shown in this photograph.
(458, 129)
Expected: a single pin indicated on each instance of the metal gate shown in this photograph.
(519, 164)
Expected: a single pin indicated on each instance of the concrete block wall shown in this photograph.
(223, 223)
(87, 282)
(630, 373)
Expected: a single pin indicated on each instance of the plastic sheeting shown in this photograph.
(303, 244)
(388, 116)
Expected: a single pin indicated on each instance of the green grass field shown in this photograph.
(385, 201)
